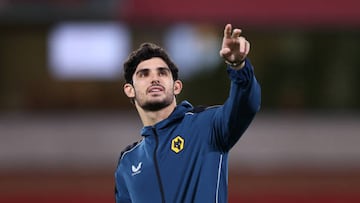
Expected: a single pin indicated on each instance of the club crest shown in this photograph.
(177, 144)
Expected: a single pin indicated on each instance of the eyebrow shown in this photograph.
(158, 69)
(163, 68)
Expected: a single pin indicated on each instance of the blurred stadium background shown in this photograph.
(64, 118)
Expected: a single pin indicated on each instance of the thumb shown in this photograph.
(225, 52)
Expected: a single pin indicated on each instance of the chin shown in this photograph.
(156, 105)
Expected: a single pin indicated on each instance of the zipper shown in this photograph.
(157, 167)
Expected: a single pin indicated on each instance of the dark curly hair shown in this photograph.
(144, 52)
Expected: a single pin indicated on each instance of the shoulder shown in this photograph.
(128, 149)
(202, 108)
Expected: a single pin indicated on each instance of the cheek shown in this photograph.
(139, 89)
(138, 85)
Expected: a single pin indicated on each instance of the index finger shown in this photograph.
(227, 31)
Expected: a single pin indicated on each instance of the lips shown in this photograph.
(155, 89)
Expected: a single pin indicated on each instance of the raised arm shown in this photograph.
(233, 118)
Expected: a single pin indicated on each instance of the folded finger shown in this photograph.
(236, 33)
(247, 47)
(242, 44)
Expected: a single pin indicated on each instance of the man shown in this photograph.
(183, 156)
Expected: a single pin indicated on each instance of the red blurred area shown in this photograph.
(279, 187)
(256, 12)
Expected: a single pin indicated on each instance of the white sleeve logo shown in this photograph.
(136, 169)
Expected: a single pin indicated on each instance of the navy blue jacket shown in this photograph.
(184, 158)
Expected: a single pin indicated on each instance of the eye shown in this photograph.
(142, 73)
(163, 72)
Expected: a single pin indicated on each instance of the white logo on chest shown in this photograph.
(136, 169)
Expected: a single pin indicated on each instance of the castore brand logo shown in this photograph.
(136, 169)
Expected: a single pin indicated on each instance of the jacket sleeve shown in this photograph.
(121, 192)
(233, 118)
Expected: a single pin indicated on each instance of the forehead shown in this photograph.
(155, 62)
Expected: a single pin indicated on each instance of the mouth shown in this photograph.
(155, 89)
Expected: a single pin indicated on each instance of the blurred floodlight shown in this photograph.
(193, 48)
(87, 50)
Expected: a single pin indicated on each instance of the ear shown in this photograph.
(177, 87)
(129, 90)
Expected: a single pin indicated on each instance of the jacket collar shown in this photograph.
(178, 113)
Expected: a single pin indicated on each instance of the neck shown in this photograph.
(150, 118)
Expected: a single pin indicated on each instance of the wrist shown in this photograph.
(236, 64)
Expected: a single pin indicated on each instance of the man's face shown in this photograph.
(153, 86)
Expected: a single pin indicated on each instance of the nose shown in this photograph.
(154, 78)
(155, 82)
